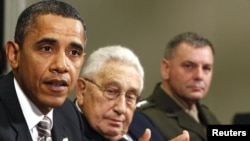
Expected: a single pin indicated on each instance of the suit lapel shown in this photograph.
(15, 115)
(58, 131)
(173, 110)
(187, 122)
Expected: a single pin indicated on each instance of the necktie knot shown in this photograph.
(44, 129)
(123, 139)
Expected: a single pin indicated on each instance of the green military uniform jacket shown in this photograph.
(171, 119)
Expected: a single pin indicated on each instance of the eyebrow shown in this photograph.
(46, 40)
(52, 41)
(114, 83)
(76, 45)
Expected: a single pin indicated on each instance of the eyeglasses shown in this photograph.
(112, 93)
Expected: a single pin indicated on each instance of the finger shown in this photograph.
(183, 137)
(146, 135)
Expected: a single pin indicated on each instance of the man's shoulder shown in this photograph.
(140, 123)
(66, 108)
(145, 104)
(68, 119)
(204, 108)
(206, 112)
(68, 111)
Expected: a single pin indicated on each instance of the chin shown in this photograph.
(56, 102)
(113, 135)
(116, 138)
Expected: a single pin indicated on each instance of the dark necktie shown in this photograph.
(44, 129)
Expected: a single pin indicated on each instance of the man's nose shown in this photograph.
(120, 104)
(61, 63)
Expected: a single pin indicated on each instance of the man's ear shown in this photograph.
(12, 53)
(80, 89)
(165, 68)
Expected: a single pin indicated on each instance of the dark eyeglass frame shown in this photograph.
(106, 93)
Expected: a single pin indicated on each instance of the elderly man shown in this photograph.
(107, 92)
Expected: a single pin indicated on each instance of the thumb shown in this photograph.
(146, 135)
(183, 137)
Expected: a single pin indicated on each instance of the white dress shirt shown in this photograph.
(31, 113)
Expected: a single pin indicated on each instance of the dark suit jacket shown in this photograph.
(171, 119)
(67, 122)
(91, 134)
(139, 124)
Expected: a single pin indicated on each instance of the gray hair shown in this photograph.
(101, 56)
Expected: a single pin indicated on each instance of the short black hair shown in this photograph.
(27, 18)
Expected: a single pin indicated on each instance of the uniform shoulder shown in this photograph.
(144, 104)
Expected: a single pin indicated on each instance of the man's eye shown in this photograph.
(75, 52)
(112, 91)
(46, 48)
(207, 69)
(188, 65)
(131, 96)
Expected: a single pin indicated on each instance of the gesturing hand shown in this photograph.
(146, 135)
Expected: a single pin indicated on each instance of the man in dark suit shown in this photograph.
(107, 92)
(46, 57)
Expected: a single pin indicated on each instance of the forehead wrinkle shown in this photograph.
(69, 27)
(110, 74)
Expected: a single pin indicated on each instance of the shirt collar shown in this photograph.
(192, 112)
(30, 111)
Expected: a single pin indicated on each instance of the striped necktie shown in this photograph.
(123, 139)
(44, 129)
